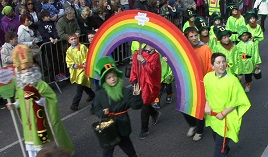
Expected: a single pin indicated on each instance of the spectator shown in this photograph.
(11, 19)
(70, 3)
(141, 5)
(180, 12)
(52, 10)
(82, 5)
(58, 5)
(47, 28)
(85, 20)
(99, 18)
(14, 3)
(31, 10)
(67, 24)
(124, 4)
(27, 36)
(6, 50)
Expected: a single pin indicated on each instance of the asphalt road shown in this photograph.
(166, 139)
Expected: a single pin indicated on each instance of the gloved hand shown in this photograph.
(31, 92)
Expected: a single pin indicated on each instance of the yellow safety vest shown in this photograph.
(213, 6)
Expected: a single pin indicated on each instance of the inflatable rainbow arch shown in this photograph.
(160, 33)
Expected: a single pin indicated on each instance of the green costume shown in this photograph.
(222, 93)
(74, 56)
(233, 24)
(53, 119)
(248, 57)
(166, 72)
(231, 57)
(135, 45)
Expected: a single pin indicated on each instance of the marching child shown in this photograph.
(250, 58)
(166, 83)
(76, 62)
(113, 100)
(190, 22)
(215, 19)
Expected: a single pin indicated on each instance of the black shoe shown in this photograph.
(144, 134)
(74, 108)
(155, 118)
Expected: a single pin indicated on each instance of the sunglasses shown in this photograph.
(30, 4)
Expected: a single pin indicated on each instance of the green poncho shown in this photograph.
(247, 65)
(233, 24)
(166, 72)
(222, 93)
(30, 135)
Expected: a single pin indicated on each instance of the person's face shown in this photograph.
(82, 3)
(193, 38)
(244, 37)
(252, 19)
(111, 78)
(191, 19)
(27, 22)
(204, 32)
(70, 16)
(90, 37)
(4, 3)
(225, 39)
(71, 1)
(219, 65)
(14, 41)
(217, 22)
(73, 41)
(46, 18)
(10, 14)
(234, 11)
(30, 5)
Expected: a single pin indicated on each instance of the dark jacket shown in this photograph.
(84, 24)
(128, 101)
(47, 29)
(65, 27)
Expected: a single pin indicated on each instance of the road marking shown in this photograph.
(64, 118)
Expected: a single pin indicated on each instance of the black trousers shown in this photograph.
(146, 112)
(125, 144)
(219, 144)
(248, 78)
(263, 17)
(200, 124)
(167, 87)
(79, 94)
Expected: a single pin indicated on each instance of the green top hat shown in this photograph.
(221, 31)
(214, 17)
(200, 23)
(105, 65)
(232, 6)
(190, 13)
(251, 13)
(241, 30)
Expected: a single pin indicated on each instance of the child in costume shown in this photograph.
(227, 47)
(250, 58)
(114, 100)
(226, 103)
(190, 22)
(215, 19)
(38, 105)
(146, 70)
(234, 21)
(254, 28)
(166, 83)
(203, 30)
(76, 62)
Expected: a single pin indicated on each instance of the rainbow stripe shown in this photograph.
(167, 39)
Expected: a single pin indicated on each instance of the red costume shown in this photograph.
(149, 75)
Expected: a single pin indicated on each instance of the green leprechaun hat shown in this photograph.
(221, 31)
(241, 30)
(190, 13)
(251, 13)
(232, 6)
(104, 65)
(214, 17)
(200, 23)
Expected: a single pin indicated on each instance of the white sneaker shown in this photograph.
(191, 131)
(247, 89)
(197, 137)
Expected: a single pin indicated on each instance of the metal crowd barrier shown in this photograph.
(53, 64)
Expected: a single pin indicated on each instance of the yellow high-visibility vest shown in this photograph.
(213, 6)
